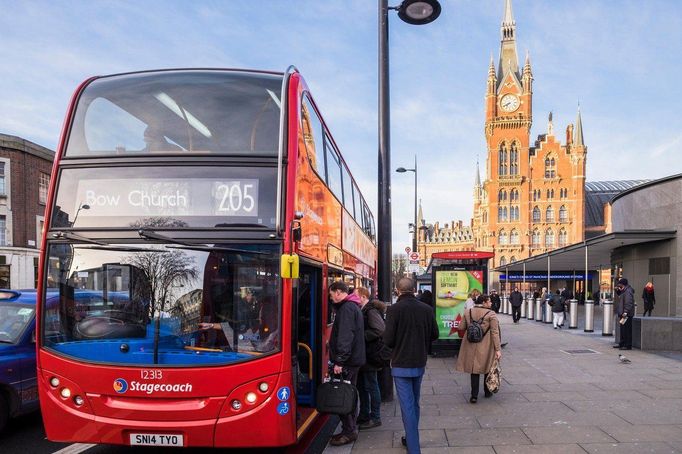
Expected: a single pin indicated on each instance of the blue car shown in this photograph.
(18, 384)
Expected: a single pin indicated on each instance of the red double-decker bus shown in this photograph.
(195, 219)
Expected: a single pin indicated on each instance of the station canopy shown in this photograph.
(599, 251)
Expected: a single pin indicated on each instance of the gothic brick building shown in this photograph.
(533, 197)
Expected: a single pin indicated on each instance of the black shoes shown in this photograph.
(488, 394)
(370, 424)
(473, 400)
(403, 440)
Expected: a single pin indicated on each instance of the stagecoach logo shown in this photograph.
(120, 385)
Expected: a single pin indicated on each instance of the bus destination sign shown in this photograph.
(168, 197)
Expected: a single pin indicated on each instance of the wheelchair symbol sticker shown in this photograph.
(283, 408)
(283, 393)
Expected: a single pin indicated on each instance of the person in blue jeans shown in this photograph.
(410, 329)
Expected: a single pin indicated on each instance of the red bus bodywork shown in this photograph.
(201, 412)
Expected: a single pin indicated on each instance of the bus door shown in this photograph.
(308, 322)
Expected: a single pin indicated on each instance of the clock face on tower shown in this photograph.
(509, 102)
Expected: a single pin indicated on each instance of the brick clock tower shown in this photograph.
(532, 199)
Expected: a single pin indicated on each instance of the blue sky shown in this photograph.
(618, 58)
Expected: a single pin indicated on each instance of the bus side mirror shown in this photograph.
(289, 266)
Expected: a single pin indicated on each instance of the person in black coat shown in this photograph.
(496, 301)
(410, 328)
(516, 300)
(346, 351)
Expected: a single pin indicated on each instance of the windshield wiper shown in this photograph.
(74, 236)
(151, 235)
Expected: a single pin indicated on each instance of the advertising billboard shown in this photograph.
(452, 288)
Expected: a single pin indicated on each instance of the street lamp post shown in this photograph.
(416, 12)
(415, 225)
(82, 206)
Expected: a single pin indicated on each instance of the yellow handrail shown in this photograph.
(310, 358)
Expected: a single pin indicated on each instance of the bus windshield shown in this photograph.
(162, 303)
(198, 111)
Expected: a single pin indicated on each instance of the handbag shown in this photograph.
(494, 377)
(336, 396)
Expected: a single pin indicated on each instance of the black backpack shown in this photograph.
(475, 331)
(377, 353)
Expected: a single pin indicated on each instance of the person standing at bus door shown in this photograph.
(368, 385)
(410, 328)
(477, 358)
(346, 352)
(496, 301)
(649, 298)
(516, 300)
(625, 310)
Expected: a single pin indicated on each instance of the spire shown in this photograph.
(478, 175)
(508, 58)
(420, 214)
(550, 126)
(526, 66)
(578, 140)
(491, 68)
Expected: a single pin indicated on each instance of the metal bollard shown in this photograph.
(538, 310)
(573, 320)
(523, 308)
(548, 312)
(507, 306)
(589, 316)
(607, 322)
(530, 311)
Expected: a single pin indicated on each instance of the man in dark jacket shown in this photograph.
(346, 351)
(410, 328)
(625, 310)
(496, 301)
(516, 300)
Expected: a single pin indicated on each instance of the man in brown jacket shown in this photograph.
(477, 358)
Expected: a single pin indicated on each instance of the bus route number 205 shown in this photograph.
(236, 198)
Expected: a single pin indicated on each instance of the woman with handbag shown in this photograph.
(477, 354)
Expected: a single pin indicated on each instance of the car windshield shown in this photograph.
(162, 303)
(14, 319)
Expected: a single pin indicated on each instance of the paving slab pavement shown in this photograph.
(563, 391)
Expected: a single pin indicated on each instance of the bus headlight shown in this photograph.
(236, 405)
(65, 393)
(263, 387)
(54, 382)
(251, 397)
(78, 400)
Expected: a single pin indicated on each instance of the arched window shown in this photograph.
(535, 238)
(551, 194)
(535, 195)
(536, 214)
(563, 215)
(500, 214)
(504, 214)
(549, 238)
(549, 214)
(563, 238)
(514, 160)
(503, 261)
(514, 237)
(503, 238)
(512, 259)
(514, 195)
(502, 158)
(550, 167)
(514, 213)
(502, 196)
(485, 217)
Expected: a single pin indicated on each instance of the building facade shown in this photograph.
(24, 181)
(533, 197)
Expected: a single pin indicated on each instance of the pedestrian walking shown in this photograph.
(346, 351)
(469, 303)
(495, 301)
(558, 309)
(410, 328)
(477, 358)
(649, 298)
(516, 300)
(368, 385)
(625, 310)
